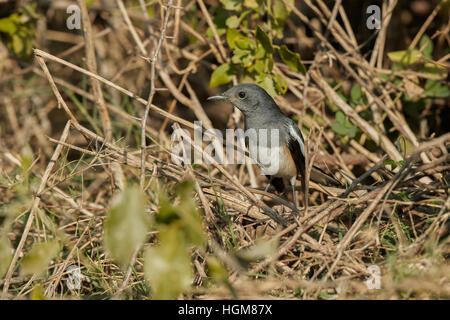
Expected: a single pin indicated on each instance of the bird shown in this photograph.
(262, 113)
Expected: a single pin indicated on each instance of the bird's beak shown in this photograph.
(218, 97)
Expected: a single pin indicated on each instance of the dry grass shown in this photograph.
(71, 138)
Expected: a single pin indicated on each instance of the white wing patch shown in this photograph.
(297, 137)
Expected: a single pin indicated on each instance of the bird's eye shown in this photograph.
(241, 94)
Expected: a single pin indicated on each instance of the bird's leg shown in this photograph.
(294, 194)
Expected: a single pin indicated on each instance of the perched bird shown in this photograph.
(261, 112)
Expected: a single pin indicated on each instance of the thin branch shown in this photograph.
(152, 90)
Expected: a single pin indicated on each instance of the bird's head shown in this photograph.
(246, 97)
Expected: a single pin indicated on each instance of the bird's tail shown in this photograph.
(319, 176)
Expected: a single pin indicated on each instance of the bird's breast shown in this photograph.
(276, 161)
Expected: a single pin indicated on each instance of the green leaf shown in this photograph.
(325, 295)
(428, 50)
(280, 12)
(434, 89)
(191, 218)
(248, 61)
(167, 212)
(126, 225)
(223, 74)
(339, 128)
(234, 5)
(259, 66)
(245, 43)
(384, 76)
(343, 126)
(340, 117)
(268, 84)
(268, 64)
(167, 267)
(232, 36)
(392, 163)
(233, 22)
(37, 260)
(264, 39)
(252, 4)
(260, 53)
(17, 44)
(352, 131)
(405, 57)
(8, 26)
(37, 293)
(216, 270)
(185, 214)
(356, 93)
(239, 55)
(292, 59)
(439, 72)
(5, 254)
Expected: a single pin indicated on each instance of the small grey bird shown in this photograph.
(261, 112)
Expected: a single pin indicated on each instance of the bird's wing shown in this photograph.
(317, 175)
(297, 149)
